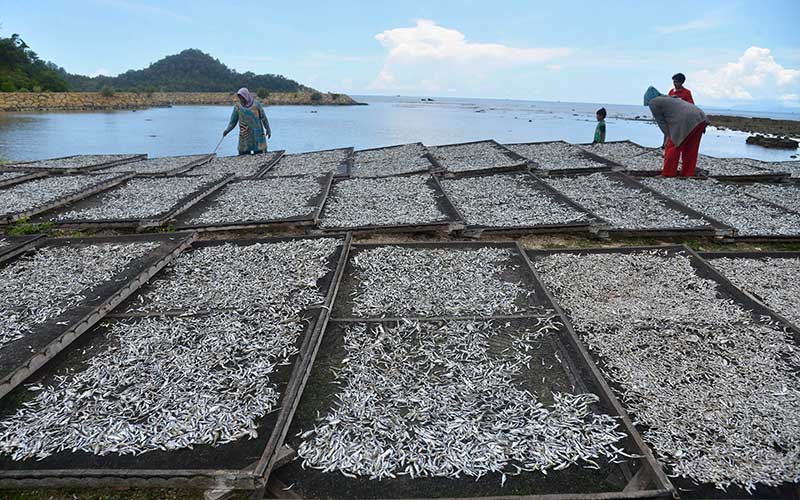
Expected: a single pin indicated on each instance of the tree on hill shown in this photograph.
(189, 71)
(21, 68)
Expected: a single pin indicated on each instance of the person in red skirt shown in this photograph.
(684, 125)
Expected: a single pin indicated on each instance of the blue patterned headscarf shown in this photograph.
(651, 94)
(247, 96)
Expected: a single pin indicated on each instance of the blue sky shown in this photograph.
(738, 53)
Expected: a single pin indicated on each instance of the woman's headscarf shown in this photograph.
(247, 96)
(651, 94)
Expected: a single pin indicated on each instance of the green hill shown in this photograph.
(21, 69)
(190, 71)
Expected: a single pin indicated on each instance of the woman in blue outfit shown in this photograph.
(252, 124)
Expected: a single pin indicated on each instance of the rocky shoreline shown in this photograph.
(789, 128)
(89, 101)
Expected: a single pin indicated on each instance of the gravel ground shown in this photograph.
(391, 161)
(33, 194)
(314, 163)
(434, 400)
(139, 198)
(162, 165)
(713, 389)
(615, 151)
(475, 156)
(729, 205)
(773, 280)
(785, 195)
(262, 200)
(79, 161)
(242, 165)
(39, 287)
(397, 281)
(555, 155)
(623, 206)
(247, 278)
(509, 200)
(386, 201)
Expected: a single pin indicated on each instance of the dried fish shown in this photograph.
(400, 281)
(773, 280)
(313, 163)
(36, 193)
(473, 156)
(4, 242)
(386, 201)
(241, 165)
(438, 400)
(616, 151)
(392, 160)
(785, 195)
(161, 383)
(265, 199)
(154, 166)
(7, 176)
(556, 155)
(728, 204)
(42, 285)
(790, 167)
(139, 198)
(245, 277)
(653, 161)
(714, 388)
(72, 162)
(625, 207)
(508, 200)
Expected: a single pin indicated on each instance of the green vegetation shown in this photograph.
(107, 91)
(23, 227)
(334, 96)
(316, 97)
(189, 71)
(262, 93)
(21, 69)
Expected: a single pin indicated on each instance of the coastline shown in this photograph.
(790, 128)
(91, 101)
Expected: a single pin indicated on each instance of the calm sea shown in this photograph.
(385, 121)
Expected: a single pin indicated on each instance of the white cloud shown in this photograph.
(696, 25)
(100, 71)
(430, 57)
(755, 76)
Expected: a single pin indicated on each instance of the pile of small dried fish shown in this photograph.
(40, 286)
(504, 200)
(728, 167)
(241, 165)
(4, 242)
(162, 383)
(625, 207)
(153, 166)
(244, 277)
(36, 193)
(265, 199)
(773, 280)
(387, 201)
(313, 163)
(615, 151)
(393, 160)
(785, 195)
(715, 389)
(729, 204)
(555, 155)
(438, 400)
(7, 176)
(71, 162)
(139, 198)
(396, 281)
(473, 156)
(650, 161)
(790, 167)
